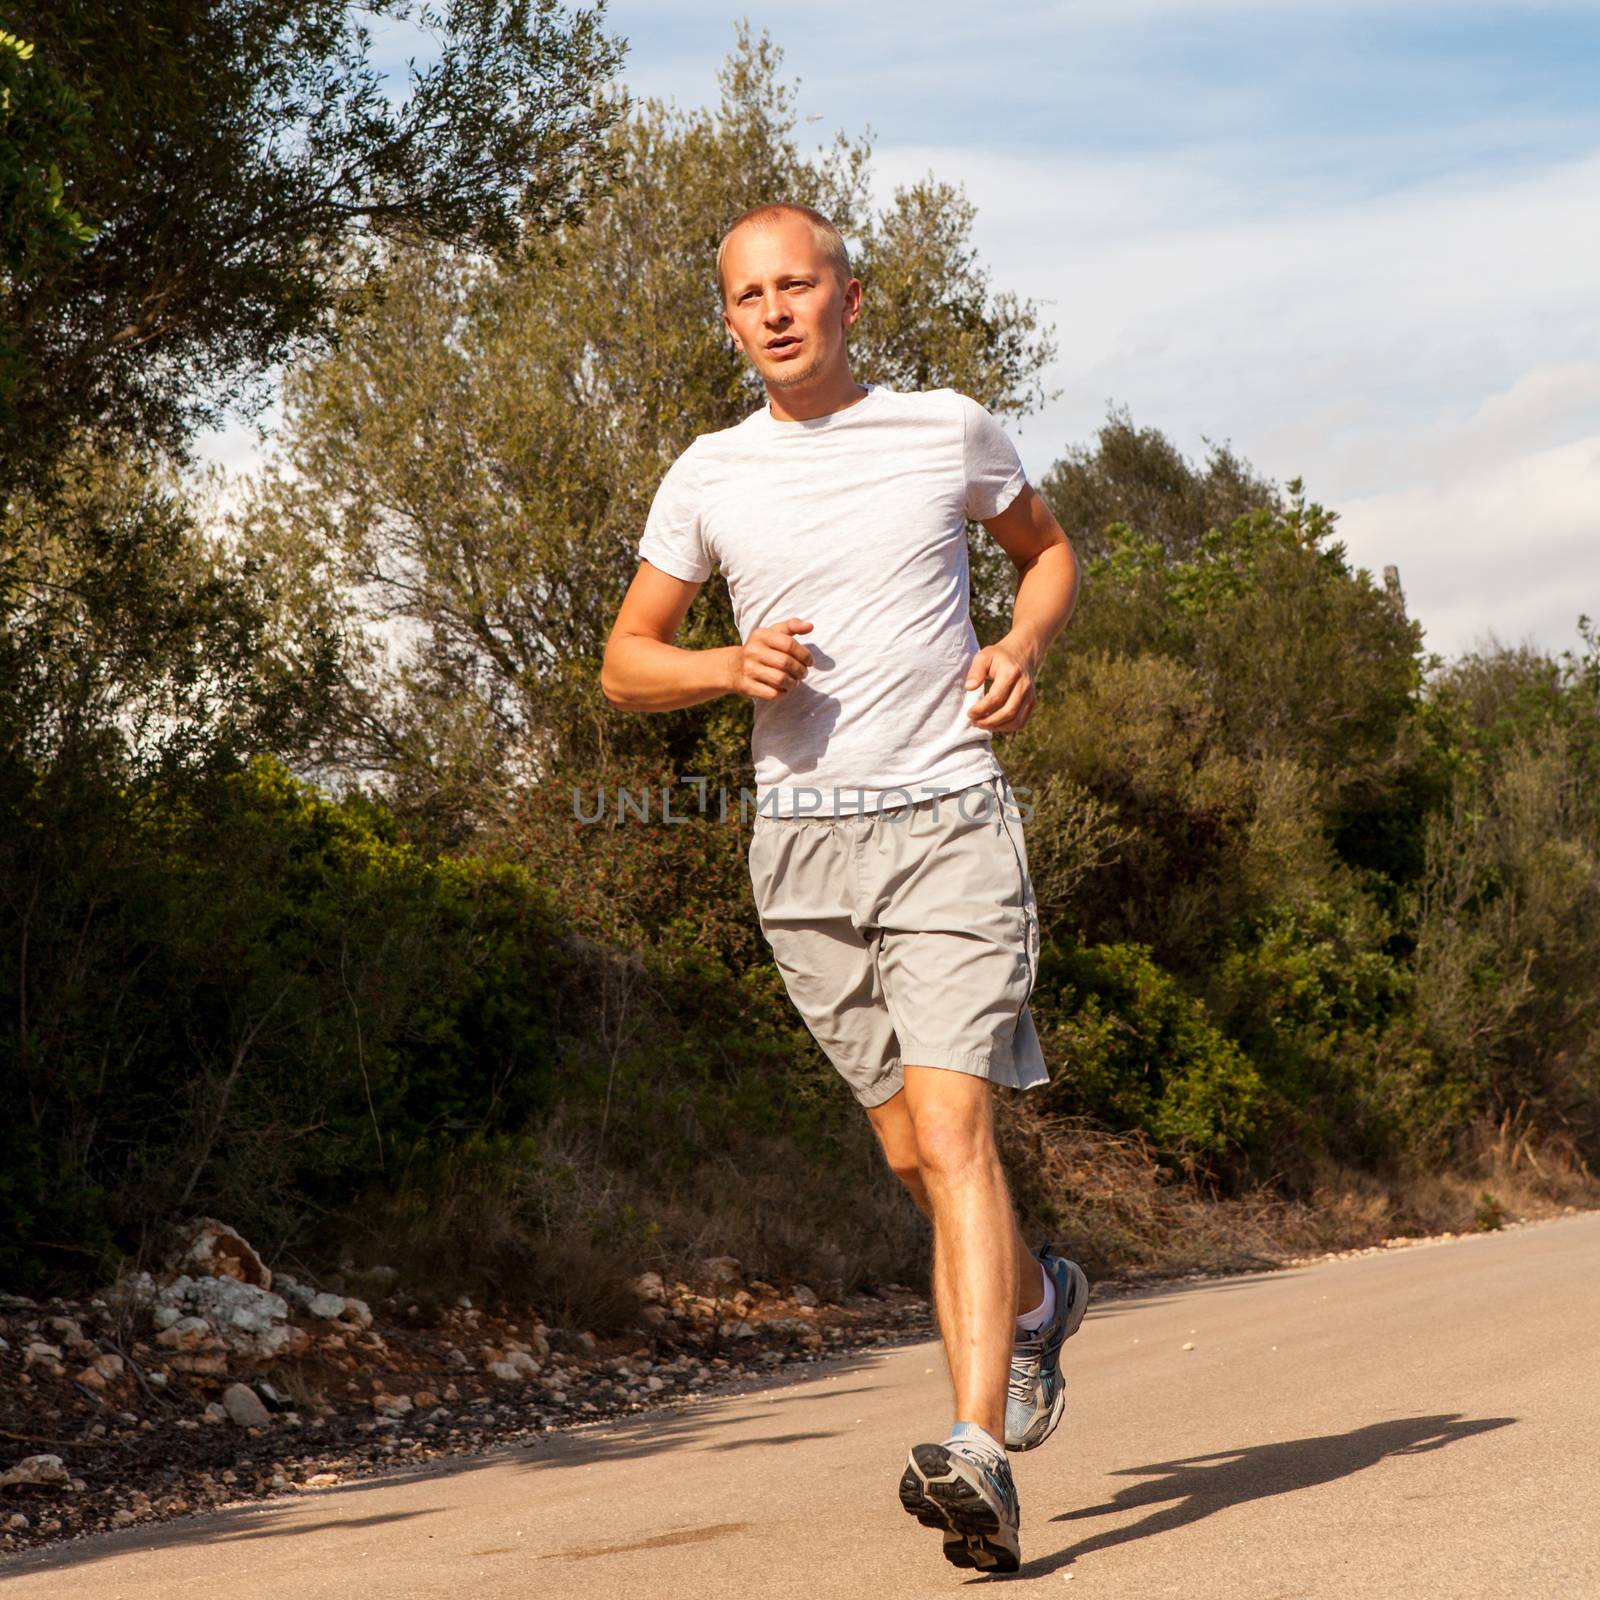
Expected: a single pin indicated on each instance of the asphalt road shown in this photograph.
(1423, 1422)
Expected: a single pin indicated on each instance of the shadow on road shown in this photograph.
(1196, 1486)
(232, 1526)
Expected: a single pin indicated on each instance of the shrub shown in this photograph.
(1134, 1051)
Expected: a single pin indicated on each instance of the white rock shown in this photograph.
(37, 1469)
(187, 1333)
(214, 1413)
(108, 1364)
(395, 1405)
(358, 1312)
(504, 1371)
(40, 1351)
(17, 1522)
(802, 1295)
(132, 1288)
(296, 1293)
(326, 1305)
(214, 1250)
(649, 1287)
(244, 1406)
(250, 1321)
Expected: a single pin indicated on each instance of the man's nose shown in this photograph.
(775, 311)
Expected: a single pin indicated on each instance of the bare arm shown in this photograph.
(1047, 594)
(644, 670)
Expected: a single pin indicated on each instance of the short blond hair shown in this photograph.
(826, 235)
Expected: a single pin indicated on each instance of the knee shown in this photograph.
(905, 1166)
(901, 1156)
(898, 1140)
(953, 1147)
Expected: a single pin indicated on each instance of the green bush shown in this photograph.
(1133, 1050)
(272, 991)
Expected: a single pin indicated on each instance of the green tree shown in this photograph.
(244, 169)
(41, 123)
(1507, 911)
(475, 466)
(1304, 658)
(1138, 477)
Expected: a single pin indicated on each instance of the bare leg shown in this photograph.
(896, 1132)
(938, 1136)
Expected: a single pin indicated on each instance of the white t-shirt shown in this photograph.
(855, 522)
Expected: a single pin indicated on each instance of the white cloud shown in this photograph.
(1398, 305)
(1510, 547)
(1428, 360)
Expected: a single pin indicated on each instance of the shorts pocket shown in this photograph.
(1011, 826)
(756, 861)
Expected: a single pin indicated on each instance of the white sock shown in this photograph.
(1034, 1320)
(974, 1437)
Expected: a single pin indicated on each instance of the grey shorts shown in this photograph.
(908, 935)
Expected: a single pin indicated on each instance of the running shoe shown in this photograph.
(967, 1492)
(1036, 1393)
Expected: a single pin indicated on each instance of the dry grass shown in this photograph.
(1104, 1197)
(549, 1224)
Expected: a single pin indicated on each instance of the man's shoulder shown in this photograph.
(940, 403)
(753, 434)
(736, 435)
(708, 448)
(942, 399)
(946, 414)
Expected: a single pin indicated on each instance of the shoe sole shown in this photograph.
(933, 1490)
(1080, 1301)
(1080, 1304)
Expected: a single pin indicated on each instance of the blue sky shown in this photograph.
(1358, 241)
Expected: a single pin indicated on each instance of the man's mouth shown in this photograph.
(783, 342)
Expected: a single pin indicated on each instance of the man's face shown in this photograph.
(783, 302)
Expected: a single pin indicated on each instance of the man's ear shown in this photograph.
(852, 301)
(733, 334)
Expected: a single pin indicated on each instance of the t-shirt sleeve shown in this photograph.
(674, 535)
(994, 472)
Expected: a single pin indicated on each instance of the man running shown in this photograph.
(887, 860)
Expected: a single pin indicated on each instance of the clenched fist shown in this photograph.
(772, 661)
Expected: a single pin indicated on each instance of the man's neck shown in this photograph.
(825, 395)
